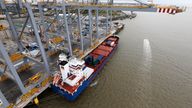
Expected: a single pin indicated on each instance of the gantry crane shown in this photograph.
(31, 92)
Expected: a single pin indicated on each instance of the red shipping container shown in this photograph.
(101, 52)
(104, 43)
(94, 55)
(105, 48)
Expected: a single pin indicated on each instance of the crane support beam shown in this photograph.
(12, 68)
(97, 23)
(90, 26)
(20, 3)
(33, 23)
(80, 30)
(13, 29)
(67, 28)
(107, 23)
(43, 20)
(111, 19)
(3, 101)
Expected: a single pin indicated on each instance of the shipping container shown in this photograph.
(105, 48)
(101, 52)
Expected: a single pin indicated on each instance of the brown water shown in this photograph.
(151, 68)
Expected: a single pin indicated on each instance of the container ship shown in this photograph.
(75, 74)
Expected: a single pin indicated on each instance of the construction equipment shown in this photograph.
(36, 101)
(35, 78)
(57, 40)
(3, 77)
(24, 67)
(2, 27)
(16, 56)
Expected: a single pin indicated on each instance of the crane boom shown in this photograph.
(128, 7)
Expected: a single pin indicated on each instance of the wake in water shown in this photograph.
(94, 84)
(147, 53)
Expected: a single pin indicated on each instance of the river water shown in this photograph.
(151, 68)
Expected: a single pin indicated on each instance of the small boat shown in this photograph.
(118, 26)
(76, 75)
